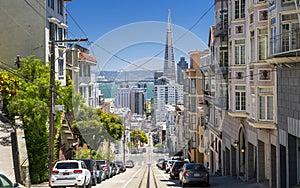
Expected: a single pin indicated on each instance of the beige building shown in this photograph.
(193, 103)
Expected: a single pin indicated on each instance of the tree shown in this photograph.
(28, 97)
(137, 135)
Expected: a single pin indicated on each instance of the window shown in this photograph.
(223, 57)
(251, 18)
(193, 104)
(193, 86)
(253, 103)
(262, 44)
(239, 9)
(263, 15)
(193, 140)
(193, 122)
(251, 75)
(240, 52)
(51, 4)
(80, 68)
(60, 33)
(273, 39)
(60, 7)
(252, 44)
(239, 29)
(61, 64)
(240, 98)
(90, 91)
(239, 75)
(290, 40)
(266, 103)
(264, 75)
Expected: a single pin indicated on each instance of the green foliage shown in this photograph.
(82, 153)
(130, 145)
(30, 102)
(137, 135)
(27, 93)
(159, 145)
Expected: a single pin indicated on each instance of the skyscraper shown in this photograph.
(181, 65)
(169, 63)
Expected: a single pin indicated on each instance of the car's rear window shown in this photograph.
(100, 162)
(87, 163)
(70, 165)
(195, 167)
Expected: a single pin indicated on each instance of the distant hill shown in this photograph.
(111, 76)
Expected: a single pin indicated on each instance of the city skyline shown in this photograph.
(132, 35)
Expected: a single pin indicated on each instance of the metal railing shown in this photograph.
(285, 42)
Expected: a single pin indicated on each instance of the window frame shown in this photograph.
(240, 99)
(266, 110)
(239, 52)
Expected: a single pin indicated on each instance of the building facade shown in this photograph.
(283, 48)
(181, 66)
(27, 32)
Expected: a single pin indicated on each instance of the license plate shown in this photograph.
(196, 175)
(66, 173)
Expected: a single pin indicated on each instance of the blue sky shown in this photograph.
(122, 30)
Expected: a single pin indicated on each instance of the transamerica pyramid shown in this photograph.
(169, 63)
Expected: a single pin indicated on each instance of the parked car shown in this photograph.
(169, 165)
(121, 166)
(193, 173)
(129, 164)
(6, 182)
(91, 165)
(70, 173)
(177, 165)
(106, 167)
(114, 168)
(99, 173)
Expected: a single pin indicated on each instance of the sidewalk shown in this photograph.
(42, 185)
(233, 182)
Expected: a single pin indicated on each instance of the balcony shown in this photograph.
(285, 45)
(221, 29)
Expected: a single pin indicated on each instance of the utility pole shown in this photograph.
(52, 102)
(52, 92)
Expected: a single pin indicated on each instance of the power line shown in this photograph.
(156, 55)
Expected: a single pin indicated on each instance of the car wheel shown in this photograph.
(183, 184)
(98, 179)
(89, 185)
(94, 181)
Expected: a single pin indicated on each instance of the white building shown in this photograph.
(122, 98)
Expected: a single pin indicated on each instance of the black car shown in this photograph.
(121, 166)
(175, 169)
(193, 173)
(91, 165)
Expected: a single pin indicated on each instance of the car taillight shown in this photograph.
(77, 171)
(54, 172)
(105, 166)
(185, 173)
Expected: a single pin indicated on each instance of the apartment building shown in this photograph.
(193, 107)
(284, 47)
(255, 134)
(27, 32)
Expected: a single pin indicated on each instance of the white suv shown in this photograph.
(70, 173)
(169, 165)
